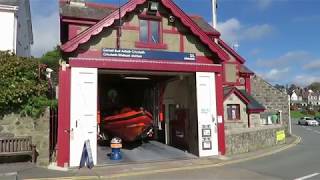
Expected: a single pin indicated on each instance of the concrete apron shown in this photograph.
(117, 171)
(151, 151)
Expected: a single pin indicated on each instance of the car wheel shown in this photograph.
(306, 124)
(299, 123)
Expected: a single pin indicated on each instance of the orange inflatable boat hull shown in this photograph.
(129, 126)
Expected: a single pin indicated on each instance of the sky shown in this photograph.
(278, 38)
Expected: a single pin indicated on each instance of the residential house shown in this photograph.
(17, 35)
(297, 97)
(311, 97)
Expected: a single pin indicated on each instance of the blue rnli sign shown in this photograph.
(147, 54)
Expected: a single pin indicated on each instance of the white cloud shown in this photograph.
(257, 32)
(298, 67)
(289, 58)
(232, 31)
(275, 74)
(304, 80)
(45, 32)
(314, 65)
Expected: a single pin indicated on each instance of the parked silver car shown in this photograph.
(308, 121)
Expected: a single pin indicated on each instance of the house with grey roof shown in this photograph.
(297, 97)
(311, 97)
(17, 36)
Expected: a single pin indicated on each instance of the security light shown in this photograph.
(153, 6)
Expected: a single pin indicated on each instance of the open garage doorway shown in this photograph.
(167, 99)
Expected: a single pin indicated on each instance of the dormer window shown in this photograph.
(150, 31)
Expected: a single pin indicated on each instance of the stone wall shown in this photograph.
(13, 125)
(252, 139)
(272, 99)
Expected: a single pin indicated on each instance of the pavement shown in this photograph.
(179, 169)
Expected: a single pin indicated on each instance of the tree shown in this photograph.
(51, 59)
(22, 80)
(315, 86)
(280, 87)
(292, 87)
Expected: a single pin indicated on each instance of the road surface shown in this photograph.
(301, 162)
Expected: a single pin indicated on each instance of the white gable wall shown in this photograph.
(7, 31)
(294, 97)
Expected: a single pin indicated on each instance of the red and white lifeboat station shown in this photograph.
(147, 53)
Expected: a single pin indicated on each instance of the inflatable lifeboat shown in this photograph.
(129, 125)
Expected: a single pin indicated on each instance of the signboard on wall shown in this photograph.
(280, 135)
(147, 54)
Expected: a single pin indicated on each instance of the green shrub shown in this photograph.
(21, 80)
(36, 106)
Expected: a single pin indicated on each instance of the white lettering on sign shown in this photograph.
(110, 54)
(147, 54)
(136, 56)
(138, 52)
(192, 57)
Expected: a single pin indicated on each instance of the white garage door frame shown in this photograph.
(83, 113)
(207, 114)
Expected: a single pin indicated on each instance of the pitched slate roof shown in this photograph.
(97, 11)
(93, 11)
(252, 103)
(107, 21)
(9, 2)
(204, 25)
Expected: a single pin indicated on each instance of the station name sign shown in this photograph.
(147, 54)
